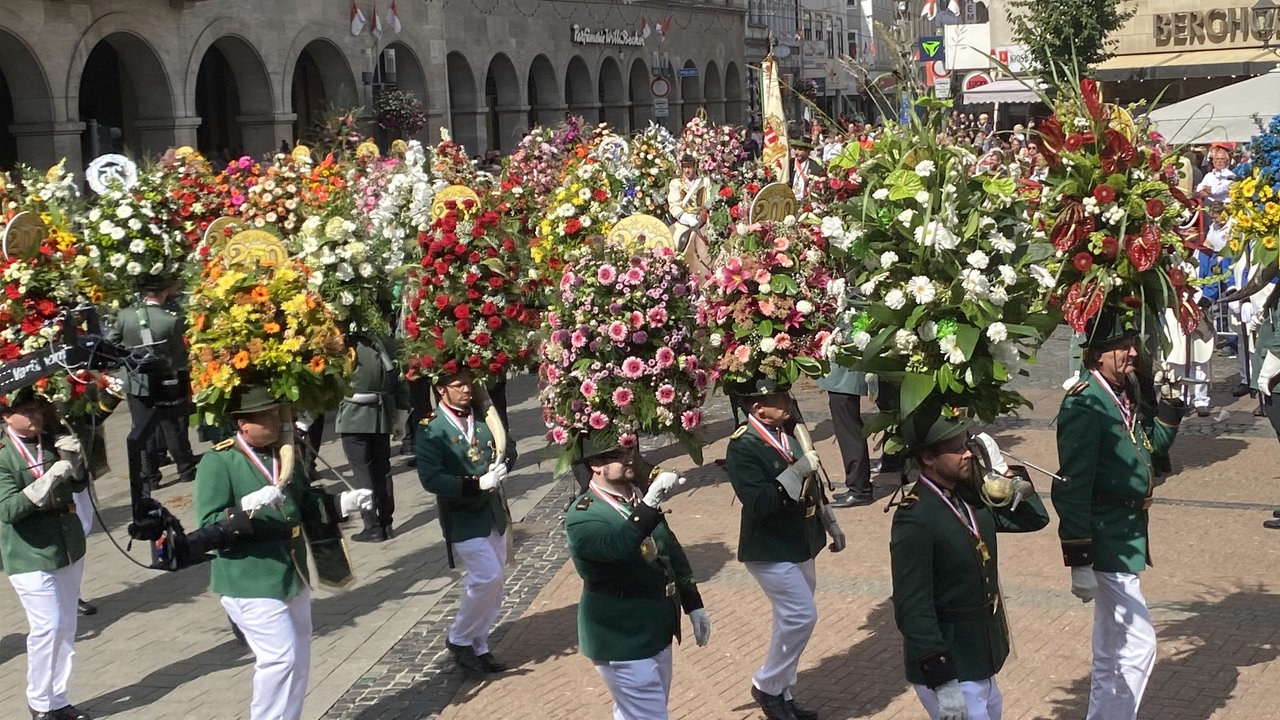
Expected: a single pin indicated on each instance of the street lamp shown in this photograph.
(1264, 22)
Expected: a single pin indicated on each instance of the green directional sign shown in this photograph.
(931, 49)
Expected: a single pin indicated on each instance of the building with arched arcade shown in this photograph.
(82, 77)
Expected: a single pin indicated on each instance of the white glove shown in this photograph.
(496, 476)
(303, 421)
(1084, 584)
(688, 219)
(1166, 382)
(660, 486)
(701, 627)
(1021, 489)
(993, 453)
(1270, 368)
(1245, 312)
(399, 424)
(838, 541)
(951, 704)
(353, 501)
(38, 491)
(792, 478)
(260, 498)
(68, 445)
(1254, 322)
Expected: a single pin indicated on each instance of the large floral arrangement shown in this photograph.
(190, 189)
(449, 164)
(400, 111)
(587, 203)
(653, 161)
(731, 203)
(345, 269)
(263, 324)
(1110, 207)
(136, 234)
(769, 307)
(947, 291)
(285, 192)
(719, 149)
(396, 195)
(42, 280)
(1254, 201)
(623, 355)
(467, 301)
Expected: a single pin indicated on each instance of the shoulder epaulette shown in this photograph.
(909, 499)
(428, 418)
(1078, 388)
(225, 444)
(738, 433)
(584, 502)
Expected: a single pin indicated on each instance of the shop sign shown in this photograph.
(1214, 26)
(587, 36)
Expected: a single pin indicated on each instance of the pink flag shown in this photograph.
(357, 19)
(393, 18)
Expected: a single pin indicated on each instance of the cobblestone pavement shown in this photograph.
(160, 648)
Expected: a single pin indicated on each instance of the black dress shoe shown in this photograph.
(1202, 412)
(465, 657)
(370, 535)
(491, 664)
(1275, 513)
(775, 707)
(84, 608)
(69, 712)
(387, 532)
(1272, 524)
(801, 712)
(1240, 391)
(852, 499)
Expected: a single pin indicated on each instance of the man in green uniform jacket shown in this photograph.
(263, 579)
(1104, 452)
(636, 579)
(785, 521)
(459, 463)
(42, 545)
(946, 582)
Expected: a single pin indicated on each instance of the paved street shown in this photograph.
(160, 645)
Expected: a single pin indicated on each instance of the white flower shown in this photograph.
(888, 258)
(835, 288)
(949, 348)
(1008, 275)
(804, 307)
(998, 296)
(831, 227)
(366, 270)
(133, 268)
(123, 212)
(905, 216)
(921, 289)
(157, 268)
(880, 194)
(904, 341)
(1001, 244)
(867, 288)
(716, 339)
(117, 233)
(346, 298)
(975, 283)
(135, 224)
(765, 288)
(1042, 276)
(922, 197)
(345, 273)
(586, 221)
(978, 259)
(895, 299)
(997, 332)
(925, 168)
(584, 194)
(138, 246)
(117, 260)
(768, 345)
(934, 234)
(861, 339)
(928, 330)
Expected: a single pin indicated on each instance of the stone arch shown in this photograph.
(545, 107)
(125, 97)
(713, 90)
(732, 94)
(463, 105)
(507, 118)
(611, 93)
(409, 77)
(641, 108)
(690, 93)
(321, 80)
(579, 95)
(25, 101)
(230, 91)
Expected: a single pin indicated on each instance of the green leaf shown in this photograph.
(765, 328)
(1037, 252)
(971, 225)
(903, 184)
(967, 339)
(915, 388)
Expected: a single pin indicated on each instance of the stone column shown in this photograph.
(42, 145)
(618, 118)
(155, 135)
(262, 134)
(550, 115)
(513, 125)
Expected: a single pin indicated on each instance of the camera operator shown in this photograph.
(42, 544)
(160, 398)
(263, 578)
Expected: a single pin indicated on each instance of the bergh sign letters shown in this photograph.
(1215, 26)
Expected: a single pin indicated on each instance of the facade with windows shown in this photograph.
(81, 77)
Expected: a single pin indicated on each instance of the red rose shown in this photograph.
(495, 282)
(474, 361)
(470, 279)
(459, 249)
(495, 368)
(462, 312)
(507, 245)
(494, 322)
(572, 226)
(1155, 207)
(477, 231)
(428, 362)
(726, 191)
(1083, 261)
(482, 339)
(473, 294)
(463, 326)
(488, 308)
(451, 367)
(734, 213)
(442, 301)
(474, 258)
(439, 344)
(441, 267)
(411, 326)
(511, 311)
(1104, 194)
(599, 195)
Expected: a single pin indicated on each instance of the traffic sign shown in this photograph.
(660, 87)
(931, 49)
(660, 108)
(689, 72)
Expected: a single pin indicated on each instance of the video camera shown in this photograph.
(172, 548)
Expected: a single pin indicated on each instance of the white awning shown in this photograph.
(1005, 90)
(1228, 114)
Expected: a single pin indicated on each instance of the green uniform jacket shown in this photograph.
(371, 376)
(167, 329)
(946, 595)
(605, 548)
(466, 512)
(843, 380)
(273, 562)
(774, 528)
(34, 538)
(1268, 341)
(1109, 481)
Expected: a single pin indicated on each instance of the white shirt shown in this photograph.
(1218, 183)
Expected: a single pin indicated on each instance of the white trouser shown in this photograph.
(790, 588)
(640, 688)
(1199, 390)
(279, 634)
(1124, 648)
(84, 509)
(50, 601)
(981, 697)
(483, 558)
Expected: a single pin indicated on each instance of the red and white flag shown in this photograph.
(663, 26)
(929, 9)
(393, 18)
(376, 31)
(953, 7)
(645, 30)
(357, 19)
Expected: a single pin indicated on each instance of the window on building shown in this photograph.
(808, 25)
(853, 43)
(830, 36)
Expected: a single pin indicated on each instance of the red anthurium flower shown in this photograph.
(1092, 97)
(1110, 246)
(1073, 142)
(1143, 249)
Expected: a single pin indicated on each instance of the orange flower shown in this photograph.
(317, 364)
(260, 294)
(271, 327)
(213, 366)
(206, 354)
(241, 360)
(200, 320)
(215, 270)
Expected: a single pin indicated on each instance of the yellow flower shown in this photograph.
(1269, 242)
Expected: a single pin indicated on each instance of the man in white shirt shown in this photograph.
(1213, 190)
